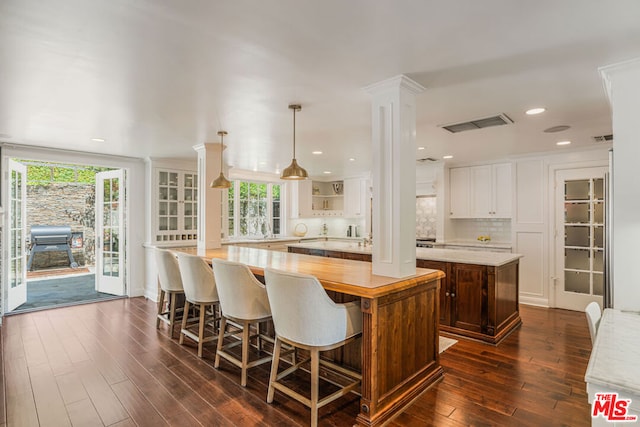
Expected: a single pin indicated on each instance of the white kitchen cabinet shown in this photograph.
(480, 191)
(300, 198)
(459, 193)
(174, 206)
(355, 190)
(502, 193)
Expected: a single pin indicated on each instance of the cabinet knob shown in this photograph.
(453, 295)
(446, 294)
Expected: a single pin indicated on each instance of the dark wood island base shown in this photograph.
(398, 354)
(478, 301)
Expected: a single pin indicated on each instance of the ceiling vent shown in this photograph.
(486, 122)
(427, 159)
(603, 138)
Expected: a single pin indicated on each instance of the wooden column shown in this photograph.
(209, 199)
(394, 175)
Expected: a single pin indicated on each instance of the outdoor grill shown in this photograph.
(50, 238)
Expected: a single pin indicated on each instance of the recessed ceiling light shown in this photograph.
(97, 139)
(420, 148)
(352, 159)
(534, 111)
(448, 156)
(316, 152)
(262, 163)
(563, 142)
(327, 172)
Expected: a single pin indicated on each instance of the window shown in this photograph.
(254, 209)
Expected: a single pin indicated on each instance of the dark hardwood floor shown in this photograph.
(106, 364)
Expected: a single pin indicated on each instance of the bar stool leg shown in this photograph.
(246, 333)
(315, 371)
(203, 312)
(274, 369)
(223, 329)
(184, 321)
(160, 308)
(172, 312)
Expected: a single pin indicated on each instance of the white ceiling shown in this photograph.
(155, 77)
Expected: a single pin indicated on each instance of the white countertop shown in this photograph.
(494, 259)
(614, 362)
(475, 244)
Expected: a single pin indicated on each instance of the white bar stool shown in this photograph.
(243, 301)
(170, 287)
(200, 290)
(305, 317)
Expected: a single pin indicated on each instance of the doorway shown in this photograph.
(65, 226)
(579, 237)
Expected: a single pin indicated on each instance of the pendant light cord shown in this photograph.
(221, 149)
(294, 133)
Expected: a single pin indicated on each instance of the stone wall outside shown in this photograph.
(71, 204)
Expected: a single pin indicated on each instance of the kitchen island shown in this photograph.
(478, 296)
(398, 354)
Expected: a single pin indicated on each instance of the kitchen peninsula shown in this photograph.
(398, 353)
(478, 296)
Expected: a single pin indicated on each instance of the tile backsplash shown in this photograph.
(469, 229)
(426, 217)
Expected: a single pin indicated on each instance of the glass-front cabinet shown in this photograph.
(584, 236)
(176, 209)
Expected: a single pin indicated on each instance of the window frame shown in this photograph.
(236, 209)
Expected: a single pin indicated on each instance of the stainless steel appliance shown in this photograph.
(50, 238)
(425, 242)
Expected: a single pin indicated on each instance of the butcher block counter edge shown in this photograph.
(340, 275)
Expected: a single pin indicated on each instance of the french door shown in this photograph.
(16, 271)
(110, 232)
(579, 237)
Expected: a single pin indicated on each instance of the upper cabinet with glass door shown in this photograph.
(175, 205)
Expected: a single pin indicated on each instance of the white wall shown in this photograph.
(623, 84)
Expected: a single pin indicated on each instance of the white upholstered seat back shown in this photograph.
(197, 279)
(303, 312)
(593, 319)
(168, 271)
(241, 295)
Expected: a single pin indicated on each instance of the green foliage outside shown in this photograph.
(43, 173)
(252, 217)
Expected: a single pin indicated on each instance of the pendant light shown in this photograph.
(293, 171)
(221, 181)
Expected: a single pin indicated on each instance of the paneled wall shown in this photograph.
(529, 229)
(533, 220)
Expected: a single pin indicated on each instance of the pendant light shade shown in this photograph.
(294, 171)
(221, 181)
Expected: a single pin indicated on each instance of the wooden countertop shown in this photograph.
(340, 275)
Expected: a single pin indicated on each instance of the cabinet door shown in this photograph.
(459, 193)
(354, 190)
(502, 196)
(300, 198)
(469, 297)
(481, 194)
(445, 295)
(168, 201)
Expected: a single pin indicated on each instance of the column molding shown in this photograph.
(209, 199)
(394, 175)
